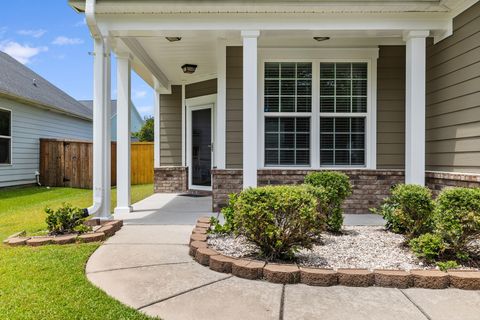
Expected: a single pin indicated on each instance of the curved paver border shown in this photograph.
(291, 273)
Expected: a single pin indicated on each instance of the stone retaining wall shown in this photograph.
(171, 179)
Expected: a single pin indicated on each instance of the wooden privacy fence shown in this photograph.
(69, 163)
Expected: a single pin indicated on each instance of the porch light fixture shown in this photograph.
(189, 68)
(321, 38)
(173, 39)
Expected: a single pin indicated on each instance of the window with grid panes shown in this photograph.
(343, 111)
(287, 108)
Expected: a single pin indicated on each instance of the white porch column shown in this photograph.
(220, 110)
(415, 107)
(250, 109)
(123, 133)
(156, 131)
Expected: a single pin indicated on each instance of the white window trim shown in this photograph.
(317, 56)
(9, 137)
(200, 103)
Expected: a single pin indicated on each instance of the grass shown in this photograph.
(49, 282)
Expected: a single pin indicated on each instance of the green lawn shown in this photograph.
(49, 282)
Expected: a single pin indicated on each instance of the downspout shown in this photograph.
(98, 138)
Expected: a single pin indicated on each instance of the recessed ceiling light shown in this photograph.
(189, 68)
(321, 38)
(173, 39)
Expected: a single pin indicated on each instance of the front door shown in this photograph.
(201, 147)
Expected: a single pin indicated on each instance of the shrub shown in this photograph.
(279, 219)
(409, 210)
(428, 246)
(65, 219)
(447, 265)
(228, 214)
(336, 188)
(457, 219)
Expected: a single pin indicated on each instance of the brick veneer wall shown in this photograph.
(436, 180)
(171, 179)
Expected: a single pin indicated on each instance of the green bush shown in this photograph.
(428, 246)
(66, 219)
(457, 219)
(279, 219)
(409, 210)
(335, 188)
(447, 265)
(228, 213)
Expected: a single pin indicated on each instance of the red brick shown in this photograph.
(355, 278)
(202, 255)
(194, 245)
(318, 277)
(393, 278)
(430, 279)
(281, 273)
(248, 269)
(221, 263)
(92, 237)
(463, 279)
(39, 241)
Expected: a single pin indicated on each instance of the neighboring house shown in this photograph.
(136, 121)
(261, 92)
(32, 108)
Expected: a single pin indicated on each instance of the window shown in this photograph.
(343, 94)
(287, 106)
(5, 136)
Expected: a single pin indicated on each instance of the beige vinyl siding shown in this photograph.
(234, 97)
(202, 88)
(171, 128)
(391, 107)
(453, 97)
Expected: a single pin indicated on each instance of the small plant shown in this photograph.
(408, 210)
(336, 188)
(279, 219)
(428, 246)
(457, 219)
(447, 265)
(228, 213)
(66, 219)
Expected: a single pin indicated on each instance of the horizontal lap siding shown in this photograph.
(453, 97)
(391, 107)
(29, 124)
(234, 97)
(202, 88)
(171, 128)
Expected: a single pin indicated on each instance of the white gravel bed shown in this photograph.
(368, 247)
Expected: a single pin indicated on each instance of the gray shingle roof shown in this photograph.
(18, 81)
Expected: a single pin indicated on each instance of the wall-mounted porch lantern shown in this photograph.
(173, 39)
(319, 39)
(189, 68)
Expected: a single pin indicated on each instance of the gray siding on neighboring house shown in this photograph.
(29, 124)
(391, 107)
(202, 88)
(234, 97)
(171, 127)
(453, 97)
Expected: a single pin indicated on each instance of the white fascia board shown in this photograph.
(156, 24)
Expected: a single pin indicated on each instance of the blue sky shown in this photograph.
(53, 40)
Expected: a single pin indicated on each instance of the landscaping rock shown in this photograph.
(248, 269)
(318, 277)
(393, 279)
(92, 237)
(18, 241)
(281, 273)
(108, 229)
(355, 278)
(430, 279)
(65, 239)
(202, 255)
(202, 225)
(221, 263)
(468, 280)
(39, 241)
(194, 245)
(198, 237)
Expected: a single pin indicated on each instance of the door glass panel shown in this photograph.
(201, 147)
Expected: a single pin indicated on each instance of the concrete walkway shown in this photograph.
(146, 265)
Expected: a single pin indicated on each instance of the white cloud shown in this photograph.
(139, 94)
(37, 33)
(145, 111)
(65, 41)
(81, 23)
(3, 30)
(23, 53)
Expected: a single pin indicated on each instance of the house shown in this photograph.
(32, 108)
(136, 121)
(261, 92)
